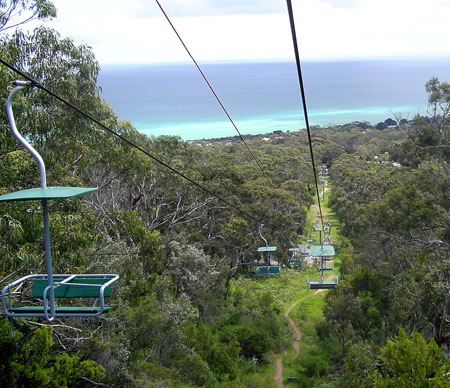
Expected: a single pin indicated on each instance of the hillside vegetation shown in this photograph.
(186, 311)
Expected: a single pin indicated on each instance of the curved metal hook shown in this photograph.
(260, 227)
(327, 238)
(20, 85)
(293, 245)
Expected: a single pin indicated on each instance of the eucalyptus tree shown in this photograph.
(429, 138)
(14, 13)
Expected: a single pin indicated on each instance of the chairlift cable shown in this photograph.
(305, 110)
(214, 93)
(111, 131)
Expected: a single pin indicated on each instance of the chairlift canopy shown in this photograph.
(267, 249)
(322, 250)
(48, 193)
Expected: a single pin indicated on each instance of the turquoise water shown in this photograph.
(260, 124)
(264, 97)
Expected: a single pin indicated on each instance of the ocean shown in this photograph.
(173, 99)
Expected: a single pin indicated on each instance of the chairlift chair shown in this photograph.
(317, 285)
(324, 253)
(268, 269)
(295, 260)
(304, 250)
(49, 286)
(325, 228)
(323, 170)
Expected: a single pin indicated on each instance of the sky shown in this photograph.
(136, 32)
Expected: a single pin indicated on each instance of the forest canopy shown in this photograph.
(179, 317)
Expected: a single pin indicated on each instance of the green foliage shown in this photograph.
(146, 374)
(196, 275)
(411, 362)
(359, 366)
(142, 323)
(180, 320)
(196, 370)
(130, 227)
(396, 219)
(251, 381)
(429, 138)
(221, 354)
(33, 361)
(313, 365)
(255, 321)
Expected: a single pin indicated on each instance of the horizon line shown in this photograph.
(284, 60)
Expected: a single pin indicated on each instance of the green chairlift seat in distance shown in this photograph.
(267, 270)
(318, 285)
(294, 260)
(304, 250)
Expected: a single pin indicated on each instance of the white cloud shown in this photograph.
(214, 7)
(254, 29)
(346, 3)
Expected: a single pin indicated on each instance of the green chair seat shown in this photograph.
(89, 291)
(273, 270)
(322, 285)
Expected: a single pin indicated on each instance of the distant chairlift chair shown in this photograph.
(48, 287)
(295, 260)
(267, 270)
(304, 250)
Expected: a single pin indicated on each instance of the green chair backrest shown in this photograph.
(263, 270)
(274, 270)
(66, 291)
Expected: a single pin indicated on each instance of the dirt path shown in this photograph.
(278, 375)
(298, 335)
